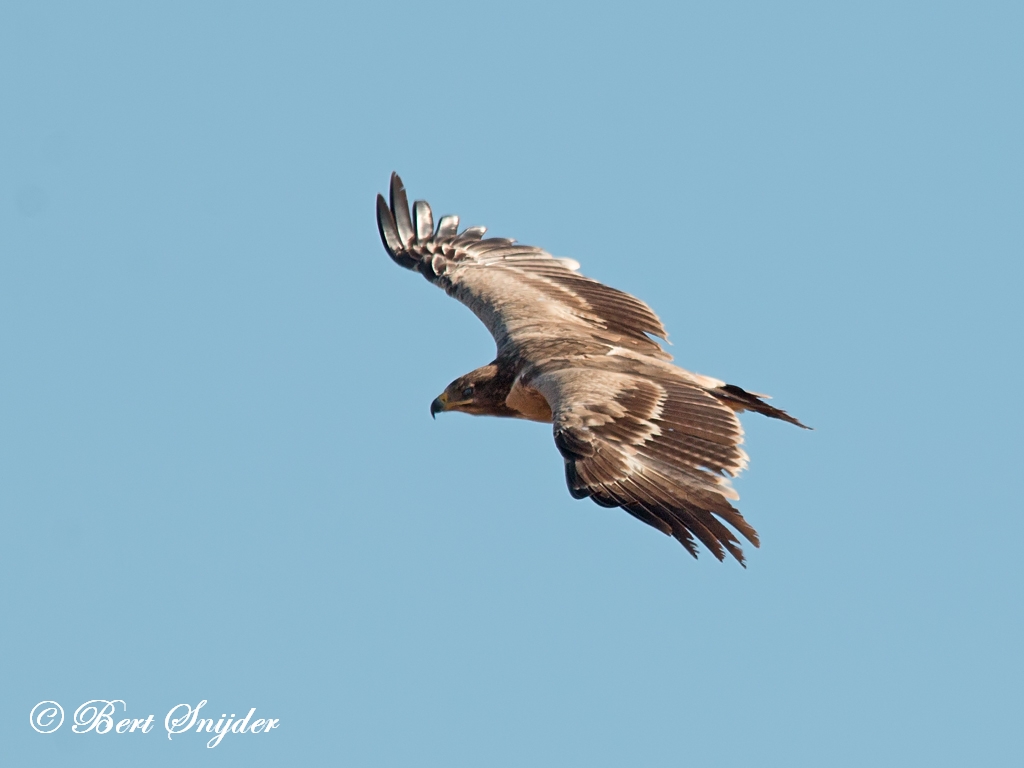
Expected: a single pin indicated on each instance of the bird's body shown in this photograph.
(635, 431)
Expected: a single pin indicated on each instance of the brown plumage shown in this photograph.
(634, 430)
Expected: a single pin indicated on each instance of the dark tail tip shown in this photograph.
(740, 400)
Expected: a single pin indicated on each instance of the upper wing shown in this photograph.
(526, 297)
(656, 444)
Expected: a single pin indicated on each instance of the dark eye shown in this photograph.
(467, 392)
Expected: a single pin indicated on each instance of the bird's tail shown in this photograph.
(741, 400)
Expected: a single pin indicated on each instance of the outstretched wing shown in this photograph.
(527, 298)
(658, 445)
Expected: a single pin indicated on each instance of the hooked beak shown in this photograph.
(440, 404)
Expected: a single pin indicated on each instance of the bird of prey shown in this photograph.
(634, 430)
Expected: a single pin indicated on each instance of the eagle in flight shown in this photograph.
(634, 430)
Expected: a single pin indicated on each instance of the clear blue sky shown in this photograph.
(218, 475)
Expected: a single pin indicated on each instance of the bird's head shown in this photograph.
(481, 392)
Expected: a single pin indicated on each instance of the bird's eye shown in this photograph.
(467, 392)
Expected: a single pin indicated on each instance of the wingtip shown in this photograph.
(400, 211)
(395, 186)
(423, 220)
(390, 232)
(387, 229)
(448, 227)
